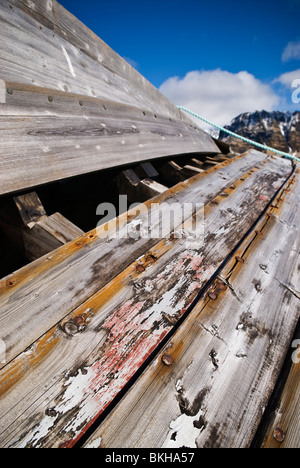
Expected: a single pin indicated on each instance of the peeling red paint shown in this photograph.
(135, 329)
(195, 259)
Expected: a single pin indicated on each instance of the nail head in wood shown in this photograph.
(222, 286)
(240, 259)
(279, 435)
(70, 328)
(167, 360)
(213, 296)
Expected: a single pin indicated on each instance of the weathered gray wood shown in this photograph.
(138, 190)
(210, 162)
(60, 227)
(37, 56)
(127, 178)
(225, 359)
(146, 171)
(218, 158)
(282, 430)
(75, 272)
(192, 170)
(172, 173)
(33, 50)
(2, 92)
(48, 234)
(195, 162)
(214, 161)
(61, 135)
(109, 336)
(30, 207)
(41, 234)
(150, 188)
(223, 147)
(45, 46)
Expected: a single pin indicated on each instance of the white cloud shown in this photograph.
(287, 79)
(219, 95)
(291, 52)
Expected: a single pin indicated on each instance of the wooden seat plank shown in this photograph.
(108, 338)
(79, 323)
(75, 272)
(226, 358)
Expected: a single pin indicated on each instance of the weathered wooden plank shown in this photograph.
(2, 92)
(219, 158)
(223, 147)
(39, 233)
(48, 234)
(114, 332)
(195, 162)
(136, 189)
(209, 162)
(225, 359)
(60, 227)
(44, 29)
(172, 173)
(75, 272)
(282, 430)
(30, 207)
(146, 171)
(192, 170)
(150, 188)
(61, 135)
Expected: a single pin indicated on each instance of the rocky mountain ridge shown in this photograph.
(280, 130)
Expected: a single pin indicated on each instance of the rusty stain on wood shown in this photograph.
(127, 315)
(74, 265)
(226, 401)
(282, 430)
(81, 321)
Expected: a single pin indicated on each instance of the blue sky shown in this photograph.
(201, 47)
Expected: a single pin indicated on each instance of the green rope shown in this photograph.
(259, 145)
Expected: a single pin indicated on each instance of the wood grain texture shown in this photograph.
(63, 135)
(100, 72)
(282, 430)
(48, 234)
(138, 190)
(30, 207)
(227, 355)
(75, 272)
(78, 107)
(40, 233)
(146, 171)
(106, 340)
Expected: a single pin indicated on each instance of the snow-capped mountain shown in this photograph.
(280, 130)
